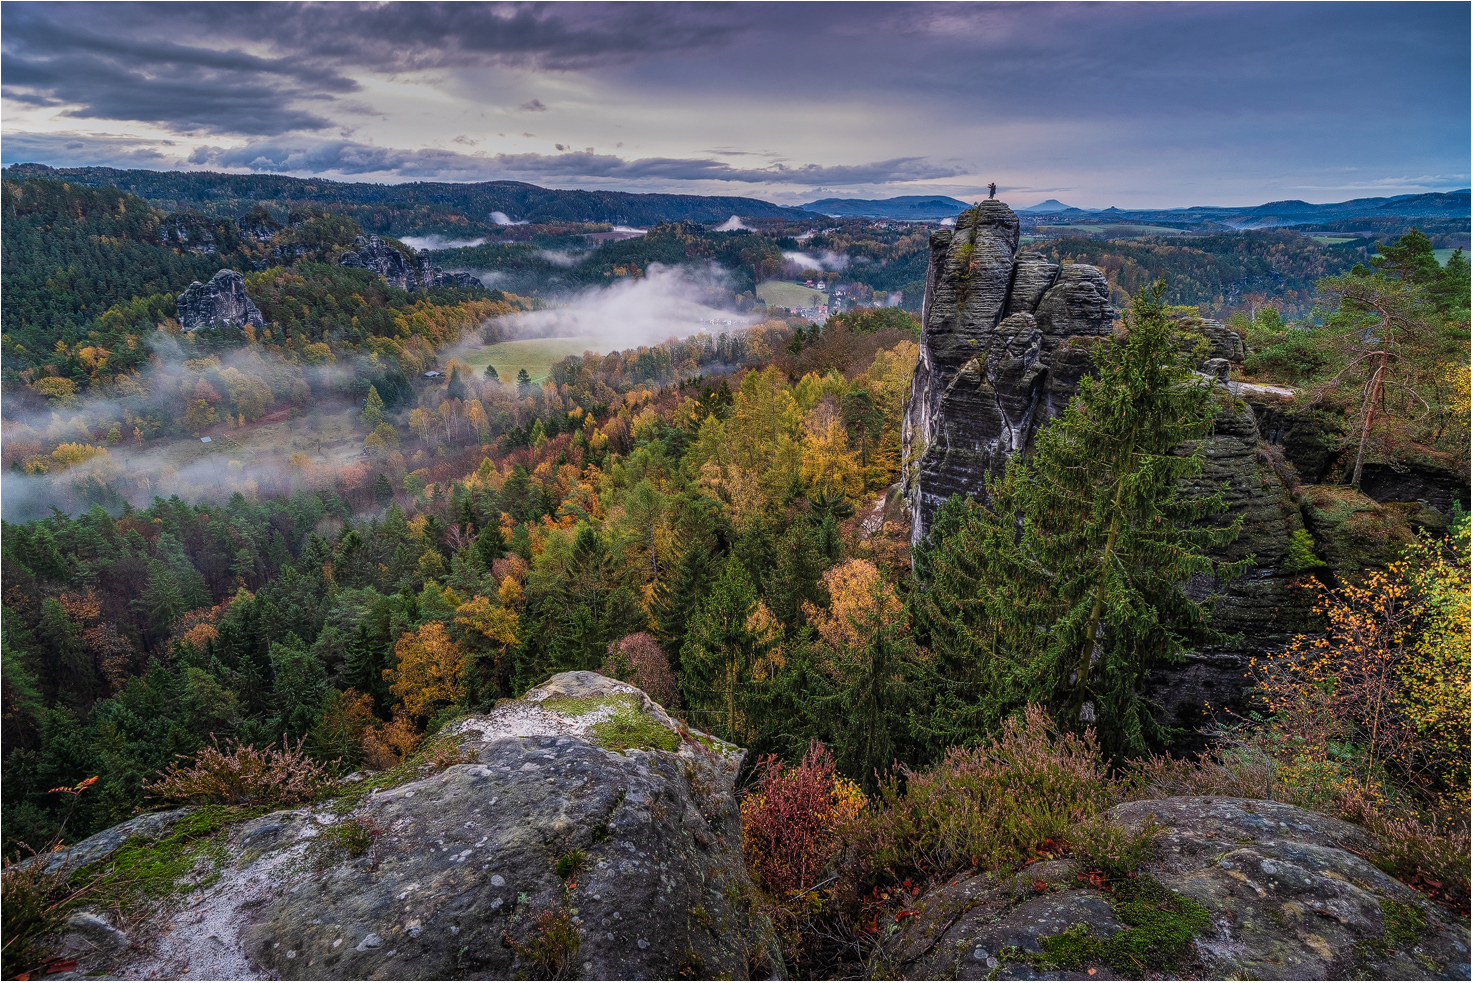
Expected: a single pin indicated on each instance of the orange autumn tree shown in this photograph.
(427, 678)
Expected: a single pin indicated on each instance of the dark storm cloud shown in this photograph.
(50, 58)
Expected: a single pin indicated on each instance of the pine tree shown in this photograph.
(373, 409)
(717, 658)
(455, 388)
(1074, 609)
(383, 490)
(492, 374)
(524, 384)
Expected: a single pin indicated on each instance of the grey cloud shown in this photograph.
(346, 157)
(533, 106)
(110, 75)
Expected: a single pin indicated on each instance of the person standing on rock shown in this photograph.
(992, 190)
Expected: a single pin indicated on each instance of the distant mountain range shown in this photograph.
(914, 208)
(1442, 204)
(230, 194)
(456, 209)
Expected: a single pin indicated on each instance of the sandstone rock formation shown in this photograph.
(1283, 894)
(1003, 344)
(398, 270)
(372, 253)
(220, 302)
(581, 825)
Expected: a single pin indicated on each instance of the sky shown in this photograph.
(1136, 106)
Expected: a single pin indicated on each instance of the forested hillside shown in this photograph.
(718, 520)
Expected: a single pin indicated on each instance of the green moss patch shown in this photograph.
(1401, 927)
(438, 751)
(1160, 927)
(152, 869)
(628, 726)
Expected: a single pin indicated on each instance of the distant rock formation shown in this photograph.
(581, 834)
(1003, 345)
(373, 253)
(220, 302)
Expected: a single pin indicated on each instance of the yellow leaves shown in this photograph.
(861, 601)
(496, 623)
(56, 389)
(509, 593)
(70, 455)
(429, 668)
(829, 466)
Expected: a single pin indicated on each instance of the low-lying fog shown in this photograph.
(257, 458)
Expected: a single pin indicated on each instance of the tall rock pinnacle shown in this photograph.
(999, 355)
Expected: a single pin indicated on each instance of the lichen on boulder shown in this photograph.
(574, 836)
(1234, 889)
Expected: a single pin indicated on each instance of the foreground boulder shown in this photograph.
(1235, 889)
(582, 833)
(219, 303)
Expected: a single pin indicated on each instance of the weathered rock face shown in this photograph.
(1001, 353)
(372, 253)
(1285, 896)
(220, 302)
(634, 857)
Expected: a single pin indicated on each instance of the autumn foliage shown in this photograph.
(428, 675)
(794, 822)
(241, 775)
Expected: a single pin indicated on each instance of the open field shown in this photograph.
(784, 293)
(1331, 240)
(1444, 254)
(536, 355)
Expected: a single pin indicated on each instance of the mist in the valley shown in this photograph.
(309, 429)
(668, 302)
(255, 459)
(825, 260)
(433, 242)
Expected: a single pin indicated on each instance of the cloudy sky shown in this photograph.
(1113, 104)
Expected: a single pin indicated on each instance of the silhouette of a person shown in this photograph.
(992, 190)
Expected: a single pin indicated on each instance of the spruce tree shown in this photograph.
(383, 490)
(717, 658)
(373, 409)
(1075, 607)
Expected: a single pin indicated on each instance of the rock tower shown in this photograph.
(1003, 346)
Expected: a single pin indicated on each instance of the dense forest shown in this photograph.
(710, 518)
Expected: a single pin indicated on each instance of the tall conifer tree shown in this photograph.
(1074, 604)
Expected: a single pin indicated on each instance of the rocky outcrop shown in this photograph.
(581, 833)
(1254, 890)
(1003, 345)
(399, 270)
(220, 302)
(372, 253)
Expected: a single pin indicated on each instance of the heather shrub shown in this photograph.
(987, 807)
(638, 660)
(241, 775)
(1111, 850)
(794, 821)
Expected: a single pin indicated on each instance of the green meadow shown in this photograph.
(536, 355)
